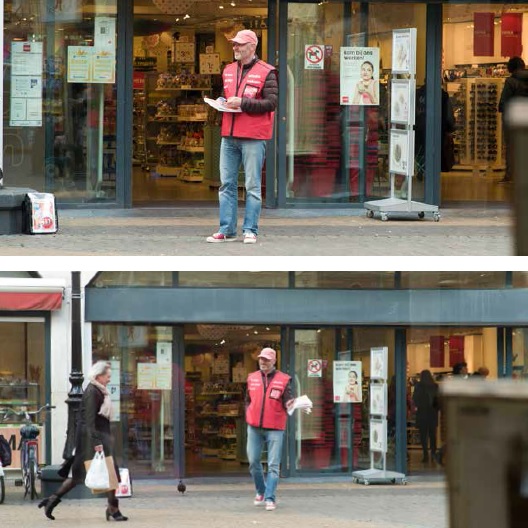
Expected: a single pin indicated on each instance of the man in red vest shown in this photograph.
(251, 92)
(269, 396)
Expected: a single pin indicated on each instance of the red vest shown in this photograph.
(244, 125)
(266, 409)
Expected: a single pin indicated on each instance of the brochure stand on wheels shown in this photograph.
(378, 424)
(401, 151)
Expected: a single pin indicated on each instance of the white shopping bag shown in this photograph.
(97, 476)
(125, 486)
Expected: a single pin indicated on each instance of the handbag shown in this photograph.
(97, 476)
(124, 489)
(110, 470)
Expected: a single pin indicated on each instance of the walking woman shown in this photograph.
(92, 434)
(425, 398)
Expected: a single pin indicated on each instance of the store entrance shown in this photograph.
(218, 359)
(180, 49)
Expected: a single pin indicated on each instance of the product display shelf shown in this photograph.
(478, 134)
(178, 120)
(218, 418)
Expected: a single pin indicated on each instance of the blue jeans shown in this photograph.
(233, 152)
(256, 437)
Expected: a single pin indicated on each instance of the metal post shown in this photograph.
(76, 377)
(2, 95)
(516, 129)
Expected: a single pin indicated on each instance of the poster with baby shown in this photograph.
(347, 382)
(359, 76)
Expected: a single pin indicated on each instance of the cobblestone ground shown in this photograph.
(318, 503)
(182, 231)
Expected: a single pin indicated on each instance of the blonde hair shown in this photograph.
(99, 368)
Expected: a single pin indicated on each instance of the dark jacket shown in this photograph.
(425, 397)
(270, 93)
(92, 430)
(514, 86)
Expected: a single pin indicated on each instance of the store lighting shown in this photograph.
(233, 4)
(186, 17)
(255, 332)
(267, 328)
(223, 342)
(220, 7)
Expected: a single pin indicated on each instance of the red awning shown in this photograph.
(19, 301)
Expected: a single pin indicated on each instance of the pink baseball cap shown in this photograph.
(268, 353)
(245, 36)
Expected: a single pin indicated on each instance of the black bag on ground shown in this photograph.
(40, 214)
(5, 452)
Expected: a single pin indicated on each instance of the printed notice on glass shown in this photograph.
(103, 63)
(209, 63)
(26, 58)
(146, 376)
(105, 33)
(184, 52)
(359, 76)
(26, 84)
(347, 382)
(164, 376)
(114, 388)
(79, 64)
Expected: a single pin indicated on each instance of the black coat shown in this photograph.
(425, 397)
(92, 430)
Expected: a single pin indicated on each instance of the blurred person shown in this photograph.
(514, 86)
(268, 397)
(460, 370)
(425, 398)
(92, 435)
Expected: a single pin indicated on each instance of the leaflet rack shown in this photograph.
(401, 152)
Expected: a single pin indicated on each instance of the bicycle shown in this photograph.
(29, 433)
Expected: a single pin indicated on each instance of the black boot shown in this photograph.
(49, 505)
(117, 515)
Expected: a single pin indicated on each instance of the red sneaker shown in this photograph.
(259, 500)
(220, 237)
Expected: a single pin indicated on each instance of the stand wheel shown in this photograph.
(370, 214)
(366, 482)
(384, 217)
(404, 482)
(421, 214)
(436, 217)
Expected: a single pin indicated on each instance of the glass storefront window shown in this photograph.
(22, 378)
(60, 132)
(453, 279)
(234, 279)
(115, 279)
(474, 70)
(520, 279)
(520, 353)
(335, 435)
(344, 279)
(338, 152)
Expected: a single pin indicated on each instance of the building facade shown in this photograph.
(182, 343)
(113, 115)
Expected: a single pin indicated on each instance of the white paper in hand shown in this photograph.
(219, 104)
(302, 402)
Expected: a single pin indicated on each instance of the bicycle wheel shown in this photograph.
(2, 489)
(32, 478)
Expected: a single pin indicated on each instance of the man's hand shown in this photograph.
(289, 404)
(98, 448)
(234, 102)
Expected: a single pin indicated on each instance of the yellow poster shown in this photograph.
(79, 64)
(103, 66)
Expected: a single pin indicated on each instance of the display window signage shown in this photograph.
(359, 76)
(483, 34)
(26, 84)
(511, 34)
(313, 57)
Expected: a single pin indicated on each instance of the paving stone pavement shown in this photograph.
(310, 503)
(182, 231)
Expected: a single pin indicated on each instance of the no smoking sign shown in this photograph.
(315, 368)
(313, 57)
